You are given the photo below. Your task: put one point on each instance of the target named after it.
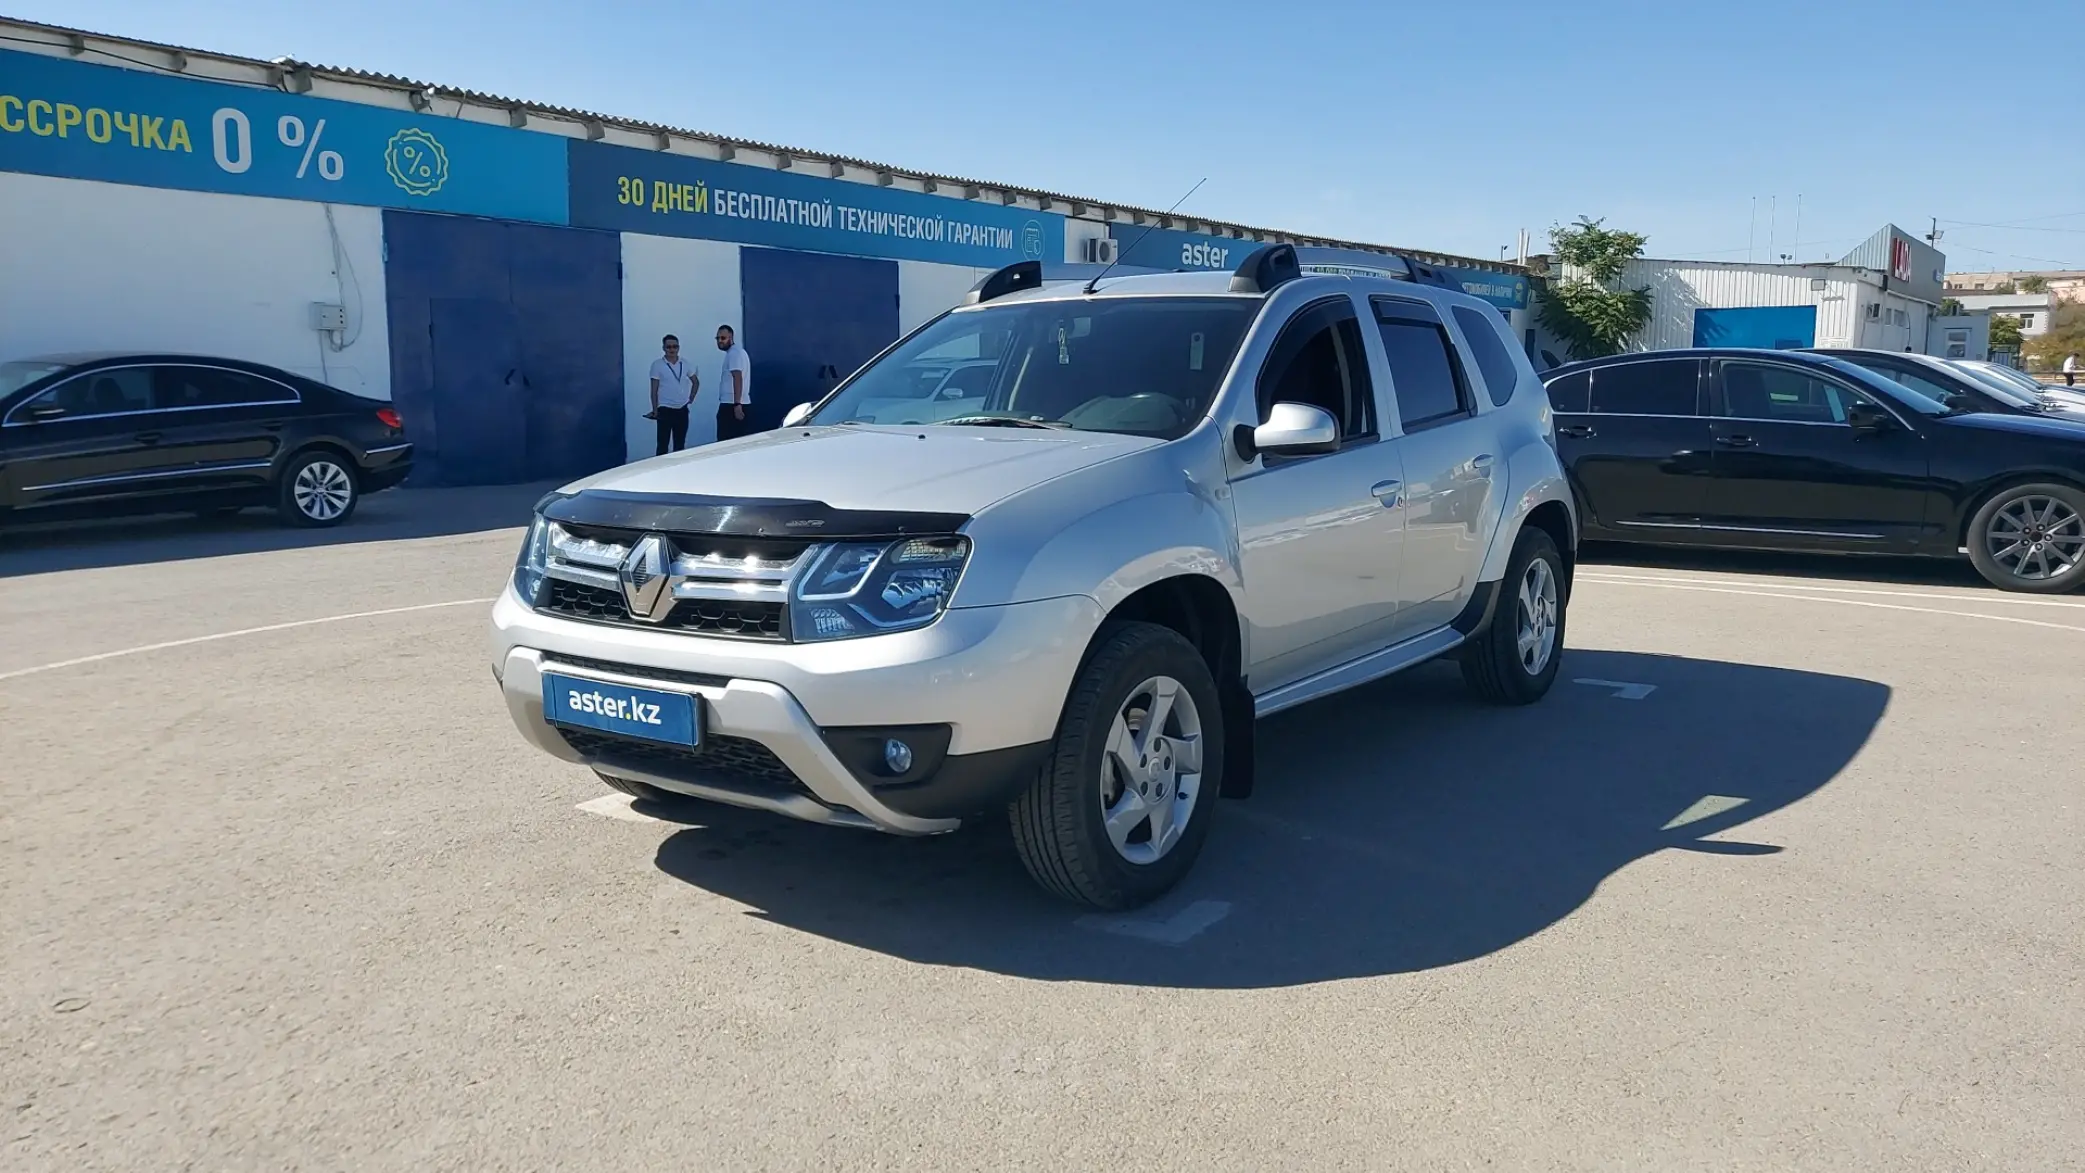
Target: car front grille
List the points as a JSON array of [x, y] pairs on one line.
[[592, 604], [723, 758]]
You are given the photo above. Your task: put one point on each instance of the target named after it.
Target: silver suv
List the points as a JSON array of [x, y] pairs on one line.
[[1179, 502]]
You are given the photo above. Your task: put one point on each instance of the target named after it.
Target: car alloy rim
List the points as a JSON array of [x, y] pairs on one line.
[[1151, 772], [1535, 617], [322, 490], [2036, 538]]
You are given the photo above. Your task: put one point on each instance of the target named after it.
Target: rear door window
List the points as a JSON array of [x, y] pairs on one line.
[[188, 387], [1424, 370], [1652, 387], [1482, 332]]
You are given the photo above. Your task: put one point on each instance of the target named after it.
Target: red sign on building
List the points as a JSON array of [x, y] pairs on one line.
[[1900, 258]]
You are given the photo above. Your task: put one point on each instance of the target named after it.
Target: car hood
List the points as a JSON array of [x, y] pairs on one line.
[[2056, 427], [891, 469]]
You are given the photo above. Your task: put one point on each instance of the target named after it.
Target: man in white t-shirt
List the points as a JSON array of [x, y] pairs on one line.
[[673, 388], [735, 391], [2070, 370]]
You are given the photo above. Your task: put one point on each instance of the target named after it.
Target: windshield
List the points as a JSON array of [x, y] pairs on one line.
[[1144, 366], [1920, 395], [16, 375], [1999, 374], [2004, 388]]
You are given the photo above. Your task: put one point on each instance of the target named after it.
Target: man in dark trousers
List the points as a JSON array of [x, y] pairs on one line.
[[673, 388], [735, 391]]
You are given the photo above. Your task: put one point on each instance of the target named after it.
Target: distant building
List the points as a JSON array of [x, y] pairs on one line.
[[2031, 308], [2065, 284], [1881, 295]]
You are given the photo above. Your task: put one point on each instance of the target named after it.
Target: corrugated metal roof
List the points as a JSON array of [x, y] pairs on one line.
[[367, 77]]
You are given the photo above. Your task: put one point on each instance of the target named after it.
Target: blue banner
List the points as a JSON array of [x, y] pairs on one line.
[[84, 121], [633, 190], [1167, 248]]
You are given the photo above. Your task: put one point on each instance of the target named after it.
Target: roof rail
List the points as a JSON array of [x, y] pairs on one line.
[[1265, 269], [1012, 279]]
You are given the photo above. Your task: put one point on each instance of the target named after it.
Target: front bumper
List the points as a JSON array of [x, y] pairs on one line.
[[995, 677]]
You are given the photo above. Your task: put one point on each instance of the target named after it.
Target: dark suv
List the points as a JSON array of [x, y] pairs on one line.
[[1786, 450], [96, 435]]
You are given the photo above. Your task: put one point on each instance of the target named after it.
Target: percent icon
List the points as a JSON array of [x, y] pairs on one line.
[[290, 130]]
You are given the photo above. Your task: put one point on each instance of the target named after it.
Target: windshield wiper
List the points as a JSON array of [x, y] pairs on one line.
[[1002, 421]]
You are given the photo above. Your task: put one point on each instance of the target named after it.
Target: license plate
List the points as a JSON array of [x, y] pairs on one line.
[[648, 713]]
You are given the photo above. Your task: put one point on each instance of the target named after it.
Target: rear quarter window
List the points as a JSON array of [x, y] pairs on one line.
[[1500, 375]]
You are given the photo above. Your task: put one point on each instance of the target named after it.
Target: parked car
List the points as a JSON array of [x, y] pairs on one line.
[[1937, 378], [1786, 450], [1182, 502], [2067, 398], [98, 435]]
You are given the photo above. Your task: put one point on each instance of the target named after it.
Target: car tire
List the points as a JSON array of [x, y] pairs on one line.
[[1062, 827], [1515, 657], [318, 489], [2050, 521]]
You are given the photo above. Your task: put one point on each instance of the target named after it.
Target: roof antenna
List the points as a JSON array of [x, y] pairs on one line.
[[1141, 235]]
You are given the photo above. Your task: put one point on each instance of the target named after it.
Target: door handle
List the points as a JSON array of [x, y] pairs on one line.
[[1737, 441], [1388, 492], [1577, 431], [148, 437]]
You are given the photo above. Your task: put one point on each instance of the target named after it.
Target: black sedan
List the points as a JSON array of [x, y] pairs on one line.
[[99, 435], [1785, 450], [1939, 379]]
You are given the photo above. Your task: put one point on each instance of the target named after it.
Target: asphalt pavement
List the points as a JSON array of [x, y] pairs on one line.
[[1784, 875]]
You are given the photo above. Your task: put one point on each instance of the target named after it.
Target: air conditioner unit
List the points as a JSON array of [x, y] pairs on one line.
[[1103, 250]]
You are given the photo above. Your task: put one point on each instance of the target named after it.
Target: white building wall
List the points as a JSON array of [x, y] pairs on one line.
[[101, 266], [1076, 233], [673, 285], [2032, 309], [925, 290]]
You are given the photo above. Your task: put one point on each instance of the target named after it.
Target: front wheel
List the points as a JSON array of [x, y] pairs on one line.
[[1514, 659], [318, 489], [1120, 811], [2031, 538]]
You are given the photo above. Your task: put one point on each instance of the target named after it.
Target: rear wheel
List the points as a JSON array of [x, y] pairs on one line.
[[318, 489], [2031, 538], [1121, 809], [1515, 658]]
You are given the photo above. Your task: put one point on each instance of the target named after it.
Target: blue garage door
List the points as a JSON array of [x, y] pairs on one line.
[[1773, 327], [811, 319], [506, 347]]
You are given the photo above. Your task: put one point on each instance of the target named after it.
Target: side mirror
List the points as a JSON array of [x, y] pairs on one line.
[[1866, 417], [1297, 429], [45, 412], [797, 415]]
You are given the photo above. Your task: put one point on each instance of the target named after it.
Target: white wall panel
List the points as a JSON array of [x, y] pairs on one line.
[[925, 290], [682, 287], [102, 266]]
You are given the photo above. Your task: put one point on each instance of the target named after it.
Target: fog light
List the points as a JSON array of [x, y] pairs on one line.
[[897, 756]]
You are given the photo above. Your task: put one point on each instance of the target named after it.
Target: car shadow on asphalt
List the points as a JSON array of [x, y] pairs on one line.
[[1903, 571], [1399, 827], [388, 516]]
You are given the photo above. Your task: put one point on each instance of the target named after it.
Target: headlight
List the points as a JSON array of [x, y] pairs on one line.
[[872, 588], [530, 567]]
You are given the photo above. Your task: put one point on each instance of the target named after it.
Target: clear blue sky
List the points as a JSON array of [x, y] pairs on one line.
[[1439, 125]]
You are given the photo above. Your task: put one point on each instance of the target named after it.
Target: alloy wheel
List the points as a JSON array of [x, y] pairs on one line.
[[322, 490], [1151, 771], [1535, 629], [2035, 538]]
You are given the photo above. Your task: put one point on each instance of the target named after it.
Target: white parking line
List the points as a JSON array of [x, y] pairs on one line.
[[2010, 600], [1800, 598], [203, 639], [1177, 929], [1623, 690], [615, 806]]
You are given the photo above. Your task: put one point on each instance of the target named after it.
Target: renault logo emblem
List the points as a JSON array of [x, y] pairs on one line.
[[644, 576]]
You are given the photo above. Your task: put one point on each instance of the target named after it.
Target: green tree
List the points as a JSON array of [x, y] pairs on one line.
[[1587, 310], [2034, 283], [2005, 332], [1950, 308], [2065, 336]]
